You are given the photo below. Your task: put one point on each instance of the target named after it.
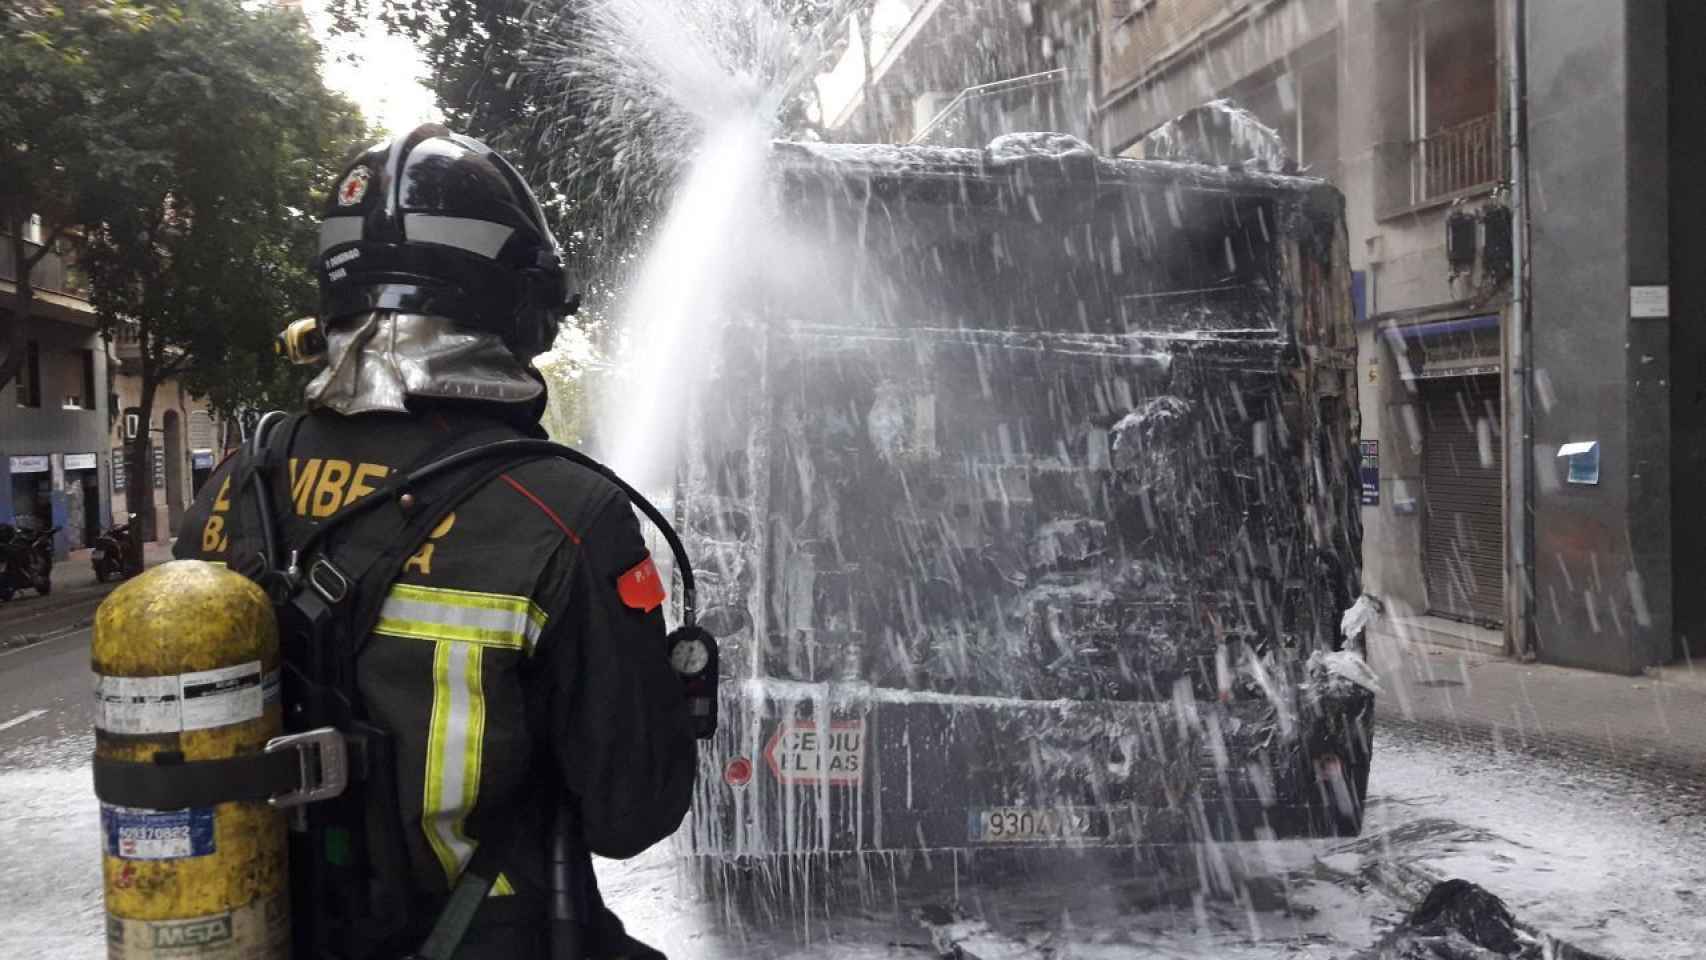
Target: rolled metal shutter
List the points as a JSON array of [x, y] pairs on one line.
[[1463, 482]]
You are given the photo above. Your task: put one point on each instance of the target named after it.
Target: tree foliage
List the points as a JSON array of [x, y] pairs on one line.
[[484, 60], [53, 137], [198, 213]]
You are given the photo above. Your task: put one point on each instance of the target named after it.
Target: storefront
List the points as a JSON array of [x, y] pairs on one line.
[[82, 499], [32, 490]]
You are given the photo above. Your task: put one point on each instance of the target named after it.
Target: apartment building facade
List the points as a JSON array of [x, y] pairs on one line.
[[55, 470], [186, 440]]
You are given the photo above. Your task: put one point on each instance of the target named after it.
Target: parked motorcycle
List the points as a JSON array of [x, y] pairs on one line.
[[26, 560], [115, 555]]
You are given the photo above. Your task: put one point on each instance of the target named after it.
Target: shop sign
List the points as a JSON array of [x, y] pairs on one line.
[[118, 470], [79, 461], [34, 463], [159, 468], [201, 459], [1370, 450]]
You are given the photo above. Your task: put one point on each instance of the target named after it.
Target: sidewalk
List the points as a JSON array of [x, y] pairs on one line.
[[29, 616], [1579, 798], [76, 571], [1653, 724]]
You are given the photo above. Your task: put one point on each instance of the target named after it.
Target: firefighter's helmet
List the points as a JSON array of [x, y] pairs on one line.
[[437, 223]]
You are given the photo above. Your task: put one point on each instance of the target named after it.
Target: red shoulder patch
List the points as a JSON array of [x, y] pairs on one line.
[[641, 587]]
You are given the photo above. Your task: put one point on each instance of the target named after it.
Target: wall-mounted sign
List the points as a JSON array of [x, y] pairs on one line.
[[1465, 370], [1649, 302], [79, 461], [159, 468], [201, 459], [118, 469], [34, 463], [1583, 458], [1370, 450]]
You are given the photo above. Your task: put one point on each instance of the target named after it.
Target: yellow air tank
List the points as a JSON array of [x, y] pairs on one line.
[[186, 665]]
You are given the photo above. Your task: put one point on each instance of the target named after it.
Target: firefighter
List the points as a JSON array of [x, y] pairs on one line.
[[518, 661]]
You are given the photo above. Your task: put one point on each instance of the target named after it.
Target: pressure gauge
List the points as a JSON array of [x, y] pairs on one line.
[[690, 654], [693, 655]]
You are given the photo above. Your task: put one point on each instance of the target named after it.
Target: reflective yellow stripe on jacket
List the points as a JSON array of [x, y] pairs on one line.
[[462, 624], [435, 613]]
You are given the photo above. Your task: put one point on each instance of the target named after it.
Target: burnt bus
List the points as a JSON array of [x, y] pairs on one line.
[[1026, 509]]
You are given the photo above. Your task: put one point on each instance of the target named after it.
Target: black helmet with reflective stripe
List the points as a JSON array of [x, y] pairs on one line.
[[435, 222]]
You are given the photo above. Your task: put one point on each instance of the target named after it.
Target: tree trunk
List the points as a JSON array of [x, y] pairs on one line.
[[139, 477]]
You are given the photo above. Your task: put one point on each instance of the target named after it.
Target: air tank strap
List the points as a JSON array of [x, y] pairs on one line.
[[290, 770]]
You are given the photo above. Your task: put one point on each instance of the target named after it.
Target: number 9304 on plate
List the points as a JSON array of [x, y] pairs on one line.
[[1032, 825]]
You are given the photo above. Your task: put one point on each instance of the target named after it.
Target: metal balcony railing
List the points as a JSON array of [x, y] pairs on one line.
[[1446, 164], [1039, 102]]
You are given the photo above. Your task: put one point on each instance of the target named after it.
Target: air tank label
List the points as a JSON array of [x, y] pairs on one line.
[[190, 701], [137, 704], [258, 931], [215, 698], [134, 834]]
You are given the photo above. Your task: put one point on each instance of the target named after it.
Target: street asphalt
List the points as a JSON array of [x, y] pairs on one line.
[[1586, 820]]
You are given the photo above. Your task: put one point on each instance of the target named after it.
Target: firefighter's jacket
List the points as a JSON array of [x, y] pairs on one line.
[[507, 663]]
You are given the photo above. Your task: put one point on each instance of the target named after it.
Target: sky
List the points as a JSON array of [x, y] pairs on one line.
[[841, 84], [383, 73], [380, 72]]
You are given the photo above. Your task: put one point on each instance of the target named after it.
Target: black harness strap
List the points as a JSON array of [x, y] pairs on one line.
[[471, 890], [174, 784]]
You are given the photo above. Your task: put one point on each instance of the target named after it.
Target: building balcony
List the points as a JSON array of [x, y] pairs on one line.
[[62, 292], [1457, 161], [55, 273]]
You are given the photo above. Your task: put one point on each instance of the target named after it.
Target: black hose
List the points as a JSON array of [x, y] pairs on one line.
[[263, 487], [569, 902]]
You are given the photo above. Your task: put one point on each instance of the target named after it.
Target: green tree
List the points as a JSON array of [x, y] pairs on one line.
[[565, 417], [484, 62], [52, 136], [198, 227]]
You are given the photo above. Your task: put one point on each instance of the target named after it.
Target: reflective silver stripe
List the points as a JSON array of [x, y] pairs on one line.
[[475, 236], [336, 230]]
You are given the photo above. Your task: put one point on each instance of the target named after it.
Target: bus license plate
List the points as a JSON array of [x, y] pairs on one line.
[[1030, 825]]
